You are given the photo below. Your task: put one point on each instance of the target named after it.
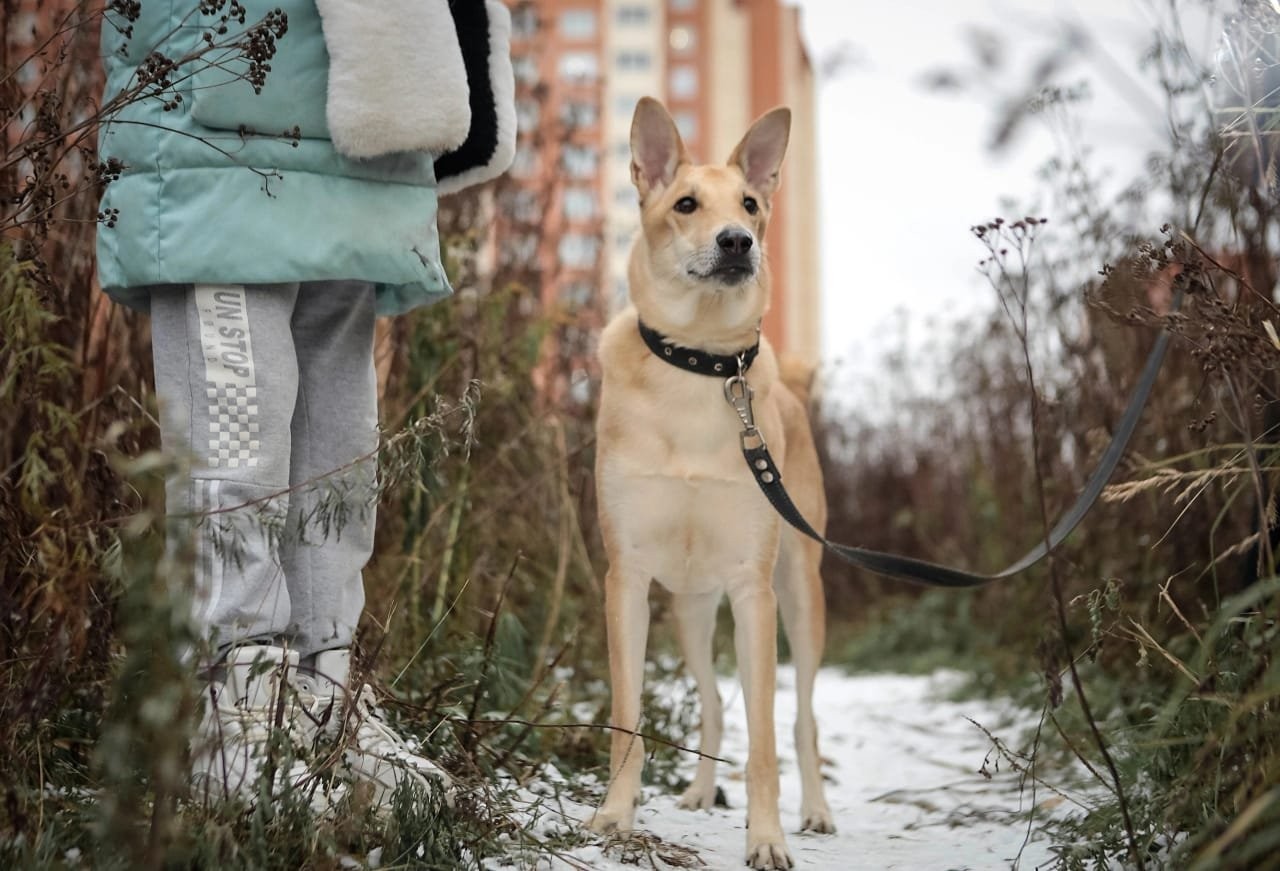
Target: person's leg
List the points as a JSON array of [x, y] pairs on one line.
[[329, 535], [226, 380]]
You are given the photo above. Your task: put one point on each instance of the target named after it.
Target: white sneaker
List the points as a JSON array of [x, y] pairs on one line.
[[232, 745], [373, 752]]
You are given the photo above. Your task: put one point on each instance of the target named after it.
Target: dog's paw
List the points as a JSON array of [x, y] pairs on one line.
[[608, 820], [772, 856], [698, 797], [818, 820]]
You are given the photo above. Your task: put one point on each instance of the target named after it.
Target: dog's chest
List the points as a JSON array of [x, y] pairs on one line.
[[682, 429], [679, 499]]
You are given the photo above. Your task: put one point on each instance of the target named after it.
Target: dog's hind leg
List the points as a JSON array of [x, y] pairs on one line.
[[803, 608], [627, 624], [696, 625]]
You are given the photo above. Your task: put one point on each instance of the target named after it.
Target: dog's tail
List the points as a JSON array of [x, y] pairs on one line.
[[800, 377]]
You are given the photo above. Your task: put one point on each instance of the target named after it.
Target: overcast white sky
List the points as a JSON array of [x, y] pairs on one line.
[[905, 170]]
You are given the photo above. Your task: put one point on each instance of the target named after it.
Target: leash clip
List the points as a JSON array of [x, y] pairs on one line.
[[738, 393]]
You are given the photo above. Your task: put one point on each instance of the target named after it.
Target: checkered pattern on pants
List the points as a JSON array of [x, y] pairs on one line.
[[233, 425]]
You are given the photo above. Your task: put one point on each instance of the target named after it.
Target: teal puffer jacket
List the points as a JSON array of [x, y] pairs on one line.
[[211, 192]]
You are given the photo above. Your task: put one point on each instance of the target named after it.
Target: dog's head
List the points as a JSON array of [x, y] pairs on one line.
[[703, 225]]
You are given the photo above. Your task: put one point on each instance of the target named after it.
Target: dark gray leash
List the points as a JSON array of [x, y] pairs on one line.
[[739, 395], [766, 473]]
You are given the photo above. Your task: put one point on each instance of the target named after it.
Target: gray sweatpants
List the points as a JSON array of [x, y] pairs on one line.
[[272, 390]]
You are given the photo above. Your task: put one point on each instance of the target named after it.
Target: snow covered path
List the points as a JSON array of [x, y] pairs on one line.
[[903, 785]]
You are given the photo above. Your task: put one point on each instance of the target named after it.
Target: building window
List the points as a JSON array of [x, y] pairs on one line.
[[578, 24], [683, 83], [577, 114], [622, 149], [682, 5], [634, 60], [578, 251], [575, 342], [522, 205], [577, 293], [625, 104], [524, 21], [525, 69], [633, 13], [579, 65], [520, 250], [683, 39], [579, 162], [579, 386], [625, 195], [528, 113], [687, 124], [579, 203], [525, 163]]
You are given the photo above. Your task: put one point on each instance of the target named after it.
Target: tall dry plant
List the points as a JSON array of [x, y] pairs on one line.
[[1159, 615], [482, 582], [70, 390]]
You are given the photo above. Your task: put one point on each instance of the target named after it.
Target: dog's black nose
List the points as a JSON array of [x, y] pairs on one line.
[[734, 241]]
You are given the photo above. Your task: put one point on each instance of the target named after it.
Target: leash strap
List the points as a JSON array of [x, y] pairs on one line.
[[930, 574]]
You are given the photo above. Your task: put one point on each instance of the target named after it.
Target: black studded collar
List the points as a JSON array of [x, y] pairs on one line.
[[695, 360]]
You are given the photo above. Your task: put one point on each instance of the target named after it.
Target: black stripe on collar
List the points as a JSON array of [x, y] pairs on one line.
[[695, 360], [471, 20]]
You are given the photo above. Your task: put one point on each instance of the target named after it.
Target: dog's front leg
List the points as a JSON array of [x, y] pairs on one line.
[[800, 601], [755, 626], [627, 616], [696, 621]]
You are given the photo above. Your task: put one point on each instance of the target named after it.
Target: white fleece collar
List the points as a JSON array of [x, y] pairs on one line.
[[396, 77]]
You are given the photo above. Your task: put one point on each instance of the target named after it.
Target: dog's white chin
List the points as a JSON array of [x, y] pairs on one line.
[[715, 283]]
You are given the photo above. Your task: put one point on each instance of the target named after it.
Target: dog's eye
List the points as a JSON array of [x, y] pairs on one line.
[[750, 204], [685, 205]]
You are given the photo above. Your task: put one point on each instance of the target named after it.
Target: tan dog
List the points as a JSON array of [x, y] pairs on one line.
[[677, 502]]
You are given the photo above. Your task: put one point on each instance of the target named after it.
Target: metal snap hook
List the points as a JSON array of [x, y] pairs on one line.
[[738, 393]]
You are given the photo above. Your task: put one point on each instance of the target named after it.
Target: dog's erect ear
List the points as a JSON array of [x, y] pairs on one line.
[[759, 154], [657, 150]]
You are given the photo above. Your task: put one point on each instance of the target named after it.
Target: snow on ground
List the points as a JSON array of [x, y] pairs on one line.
[[903, 784]]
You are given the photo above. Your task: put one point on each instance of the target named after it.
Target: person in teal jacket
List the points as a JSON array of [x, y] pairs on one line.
[[279, 166]]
